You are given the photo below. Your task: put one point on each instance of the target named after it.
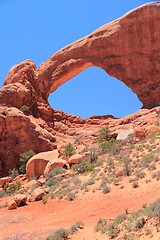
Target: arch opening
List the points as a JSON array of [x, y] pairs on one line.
[[93, 92]]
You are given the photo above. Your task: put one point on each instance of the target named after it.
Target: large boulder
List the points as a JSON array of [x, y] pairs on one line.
[[36, 165], [125, 135], [77, 158]]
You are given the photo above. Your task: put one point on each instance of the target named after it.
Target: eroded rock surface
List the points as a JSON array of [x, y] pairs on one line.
[[127, 48]]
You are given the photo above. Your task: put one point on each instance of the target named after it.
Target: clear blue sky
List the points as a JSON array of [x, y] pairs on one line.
[[35, 29]]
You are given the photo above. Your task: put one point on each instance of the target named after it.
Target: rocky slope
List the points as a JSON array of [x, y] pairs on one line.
[[127, 49]]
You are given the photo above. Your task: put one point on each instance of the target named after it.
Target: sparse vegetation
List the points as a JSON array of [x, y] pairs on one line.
[[63, 234], [24, 157], [24, 109], [68, 150]]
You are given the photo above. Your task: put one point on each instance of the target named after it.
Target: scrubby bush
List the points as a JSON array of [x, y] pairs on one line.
[[13, 188], [24, 109], [68, 150], [13, 173], [101, 224], [84, 166], [24, 157], [108, 145], [60, 234], [106, 189], [104, 134]]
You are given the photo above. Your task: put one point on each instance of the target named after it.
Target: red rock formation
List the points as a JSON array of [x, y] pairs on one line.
[[127, 49]]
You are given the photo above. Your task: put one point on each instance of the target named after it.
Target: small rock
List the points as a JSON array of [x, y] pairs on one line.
[[32, 183], [11, 204], [5, 180]]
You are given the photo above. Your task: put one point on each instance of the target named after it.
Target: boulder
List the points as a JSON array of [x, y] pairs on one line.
[[59, 162], [20, 199], [31, 184], [125, 135], [36, 195], [36, 165], [11, 204], [77, 158], [5, 180]]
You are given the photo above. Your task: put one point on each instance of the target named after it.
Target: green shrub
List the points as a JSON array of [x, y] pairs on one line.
[[24, 157], [13, 188], [69, 150], [24, 109], [84, 166], [108, 145], [104, 134]]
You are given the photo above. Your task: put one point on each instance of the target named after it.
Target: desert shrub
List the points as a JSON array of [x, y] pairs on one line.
[[106, 189], [13, 173], [56, 171], [154, 134], [12, 238], [84, 166], [135, 185], [101, 224], [68, 150], [2, 193], [104, 134], [45, 199], [60, 234], [70, 196], [91, 181], [120, 218], [78, 225], [140, 174], [108, 145], [137, 224], [13, 188], [51, 182], [24, 157], [93, 156], [113, 230], [24, 109], [156, 208]]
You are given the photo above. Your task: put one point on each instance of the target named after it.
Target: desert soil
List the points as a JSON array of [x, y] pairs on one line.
[[36, 221]]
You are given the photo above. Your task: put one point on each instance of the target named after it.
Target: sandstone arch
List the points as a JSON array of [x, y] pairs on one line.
[[127, 49]]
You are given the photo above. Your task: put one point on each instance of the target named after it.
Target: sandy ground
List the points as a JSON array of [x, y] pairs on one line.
[[36, 221]]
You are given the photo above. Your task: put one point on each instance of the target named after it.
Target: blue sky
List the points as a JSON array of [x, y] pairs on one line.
[[35, 29]]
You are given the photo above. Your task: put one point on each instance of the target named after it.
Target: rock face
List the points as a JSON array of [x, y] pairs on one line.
[[127, 48]]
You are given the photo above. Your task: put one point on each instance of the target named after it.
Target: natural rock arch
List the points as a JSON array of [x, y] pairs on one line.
[[127, 49]]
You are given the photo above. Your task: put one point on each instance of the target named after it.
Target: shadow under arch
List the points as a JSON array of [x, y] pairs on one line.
[[94, 92]]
